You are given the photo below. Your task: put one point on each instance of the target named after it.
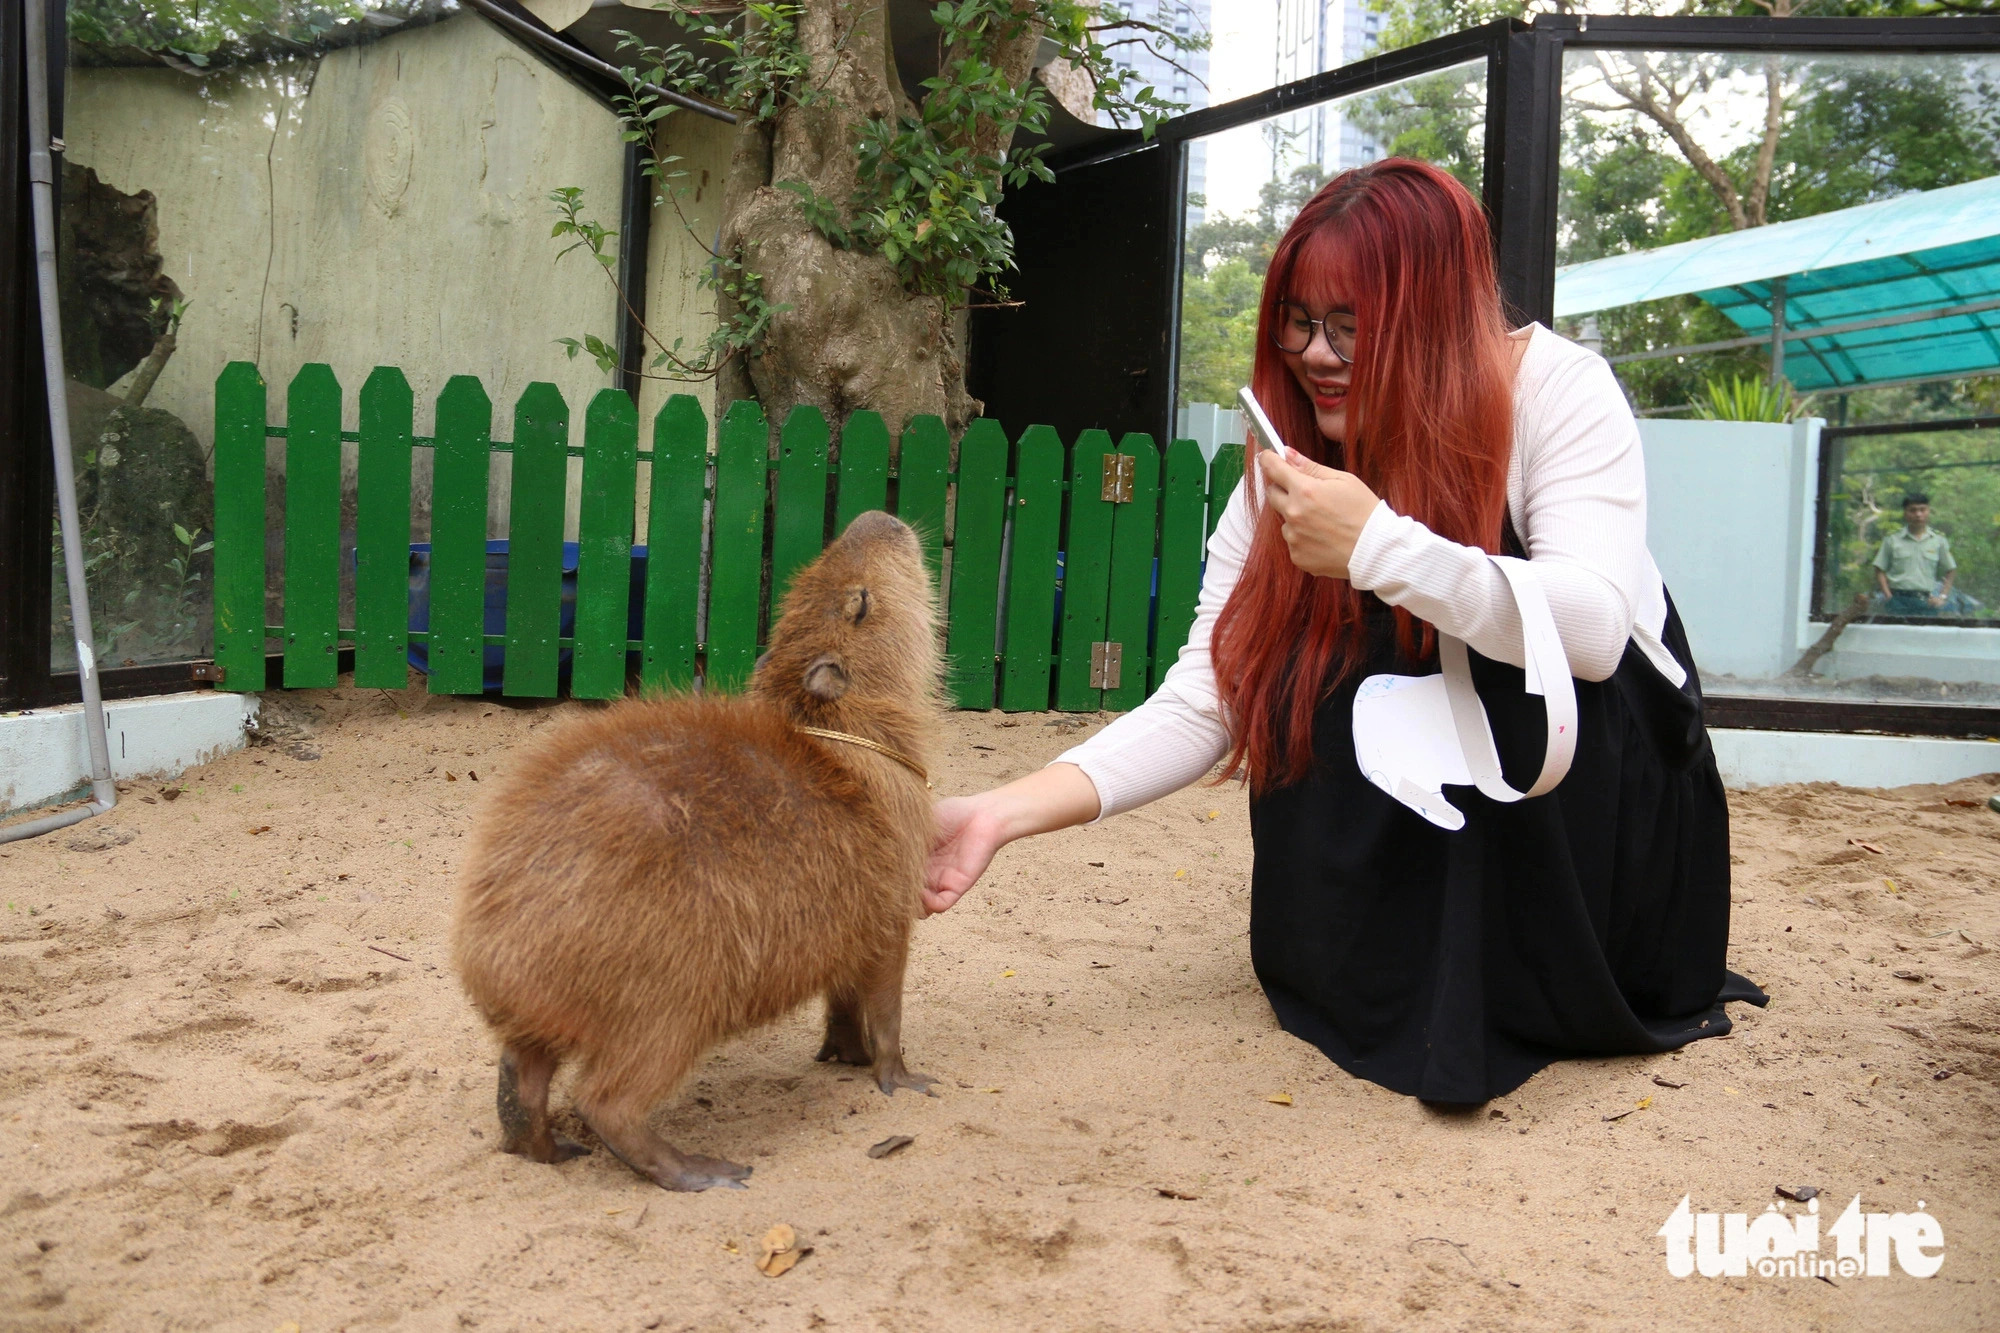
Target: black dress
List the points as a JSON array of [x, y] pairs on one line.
[[1451, 966]]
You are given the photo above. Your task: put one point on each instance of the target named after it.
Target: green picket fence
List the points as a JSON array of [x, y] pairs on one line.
[[1130, 527]]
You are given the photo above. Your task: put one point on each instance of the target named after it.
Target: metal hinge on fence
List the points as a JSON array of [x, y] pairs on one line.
[[1105, 659], [207, 671], [1118, 475]]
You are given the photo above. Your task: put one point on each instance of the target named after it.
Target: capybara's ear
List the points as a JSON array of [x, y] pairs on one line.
[[856, 607], [826, 679]]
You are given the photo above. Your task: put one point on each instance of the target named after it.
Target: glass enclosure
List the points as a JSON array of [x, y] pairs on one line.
[[355, 182], [1792, 262], [1871, 476], [1258, 176]]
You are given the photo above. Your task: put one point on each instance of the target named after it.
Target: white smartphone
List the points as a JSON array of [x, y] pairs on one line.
[[1261, 428]]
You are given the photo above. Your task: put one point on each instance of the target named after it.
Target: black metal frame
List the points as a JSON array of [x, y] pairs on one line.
[[27, 472], [1762, 712], [1522, 171], [1109, 235]]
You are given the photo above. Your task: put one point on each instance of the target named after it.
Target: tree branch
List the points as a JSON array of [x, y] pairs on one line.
[[1756, 206], [1011, 55], [1158, 55], [1667, 117]]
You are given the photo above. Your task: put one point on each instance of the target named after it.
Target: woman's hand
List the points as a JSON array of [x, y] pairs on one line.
[[1323, 510], [969, 833], [970, 829]]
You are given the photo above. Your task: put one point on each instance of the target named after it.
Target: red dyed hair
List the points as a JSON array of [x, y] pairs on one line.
[[1405, 247]]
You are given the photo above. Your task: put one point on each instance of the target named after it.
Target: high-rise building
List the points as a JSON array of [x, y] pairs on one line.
[[1312, 36], [1175, 76]]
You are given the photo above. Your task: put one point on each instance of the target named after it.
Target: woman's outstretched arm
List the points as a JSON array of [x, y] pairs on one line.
[[1161, 746], [972, 828]]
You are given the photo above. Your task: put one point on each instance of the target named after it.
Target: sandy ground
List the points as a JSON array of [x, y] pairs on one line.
[[239, 1088]]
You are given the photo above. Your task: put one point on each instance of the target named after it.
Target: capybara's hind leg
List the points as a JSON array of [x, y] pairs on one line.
[[523, 1101], [616, 1100], [846, 1039], [882, 1011]]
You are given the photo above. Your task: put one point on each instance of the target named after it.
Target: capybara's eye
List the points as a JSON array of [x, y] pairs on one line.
[[857, 604]]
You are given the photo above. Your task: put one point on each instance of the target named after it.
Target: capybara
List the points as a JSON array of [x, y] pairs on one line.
[[667, 872]]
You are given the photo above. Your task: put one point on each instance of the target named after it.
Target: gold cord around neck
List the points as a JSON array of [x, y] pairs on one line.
[[867, 744]]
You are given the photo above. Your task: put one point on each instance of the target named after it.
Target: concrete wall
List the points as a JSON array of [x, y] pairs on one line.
[[1730, 519], [1209, 425], [387, 205], [684, 228], [1725, 525], [1934, 652], [45, 756], [1771, 758]]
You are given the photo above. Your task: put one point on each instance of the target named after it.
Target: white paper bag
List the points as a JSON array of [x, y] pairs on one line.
[[1416, 735]]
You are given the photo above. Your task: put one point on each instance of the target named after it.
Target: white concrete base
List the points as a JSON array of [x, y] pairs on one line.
[[44, 757], [1766, 758]]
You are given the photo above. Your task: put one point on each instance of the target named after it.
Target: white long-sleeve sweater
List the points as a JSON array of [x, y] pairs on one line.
[[1576, 493]]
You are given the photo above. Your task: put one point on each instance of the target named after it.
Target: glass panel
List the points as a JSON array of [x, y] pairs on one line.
[[1258, 176], [1766, 246], [356, 182]]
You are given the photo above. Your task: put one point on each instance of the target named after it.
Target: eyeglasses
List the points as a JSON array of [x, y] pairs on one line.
[[1293, 331]]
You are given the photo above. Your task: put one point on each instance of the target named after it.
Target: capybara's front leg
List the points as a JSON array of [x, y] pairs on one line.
[[846, 1039], [882, 1008], [523, 1102], [615, 1100]]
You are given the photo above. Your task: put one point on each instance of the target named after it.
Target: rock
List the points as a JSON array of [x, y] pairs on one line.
[[114, 288], [101, 838], [288, 722], [139, 470]]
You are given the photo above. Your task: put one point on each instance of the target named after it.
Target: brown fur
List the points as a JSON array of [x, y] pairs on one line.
[[658, 876]]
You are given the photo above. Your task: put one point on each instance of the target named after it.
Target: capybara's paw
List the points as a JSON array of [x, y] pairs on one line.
[[702, 1173], [847, 1052], [893, 1076], [557, 1149], [845, 1040]]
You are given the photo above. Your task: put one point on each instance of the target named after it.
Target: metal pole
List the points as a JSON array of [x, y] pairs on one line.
[[41, 186], [1319, 112], [1777, 331], [1811, 331]]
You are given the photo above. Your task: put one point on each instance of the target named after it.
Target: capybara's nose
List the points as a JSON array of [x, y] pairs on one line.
[[878, 526]]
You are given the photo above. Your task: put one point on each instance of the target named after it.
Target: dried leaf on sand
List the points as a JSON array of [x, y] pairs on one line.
[[781, 1250]]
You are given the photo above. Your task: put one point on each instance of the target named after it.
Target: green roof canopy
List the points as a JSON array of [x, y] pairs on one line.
[[1922, 270]]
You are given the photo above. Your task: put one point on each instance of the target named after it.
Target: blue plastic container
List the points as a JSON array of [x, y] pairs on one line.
[[495, 658]]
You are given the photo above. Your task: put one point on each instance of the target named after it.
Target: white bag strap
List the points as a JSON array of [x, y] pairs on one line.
[[1547, 669]]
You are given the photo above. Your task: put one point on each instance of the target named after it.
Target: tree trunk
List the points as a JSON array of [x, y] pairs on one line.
[[1810, 658], [851, 336]]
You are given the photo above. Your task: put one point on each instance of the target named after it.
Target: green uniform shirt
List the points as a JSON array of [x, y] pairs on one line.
[[1914, 564]]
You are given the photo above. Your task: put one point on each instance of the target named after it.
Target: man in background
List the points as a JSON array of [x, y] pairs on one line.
[[1909, 562]]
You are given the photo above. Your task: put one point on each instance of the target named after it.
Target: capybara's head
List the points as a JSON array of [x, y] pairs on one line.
[[858, 626]]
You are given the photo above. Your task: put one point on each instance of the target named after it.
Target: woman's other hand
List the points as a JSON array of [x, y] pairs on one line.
[[970, 829], [1323, 510]]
